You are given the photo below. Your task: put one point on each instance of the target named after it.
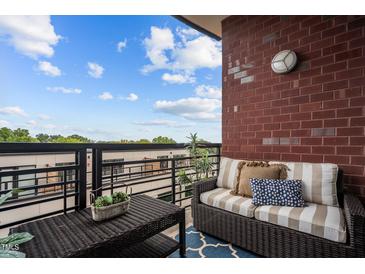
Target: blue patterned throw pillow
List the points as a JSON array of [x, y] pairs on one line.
[[277, 192]]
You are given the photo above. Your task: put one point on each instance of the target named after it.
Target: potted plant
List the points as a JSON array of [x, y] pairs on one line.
[[110, 206], [9, 245]]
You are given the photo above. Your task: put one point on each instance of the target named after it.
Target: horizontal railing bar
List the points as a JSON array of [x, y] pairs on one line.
[[141, 182], [166, 195], [56, 147], [36, 217], [38, 201], [191, 166], [29, 179], [183, 191], [135, 173], [183, 199], [150, 190], [116, 178], [33, 196], [154, 160], [37, 170], [34, 187]]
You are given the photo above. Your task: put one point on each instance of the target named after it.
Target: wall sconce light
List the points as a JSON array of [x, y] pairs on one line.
[[284, 61]]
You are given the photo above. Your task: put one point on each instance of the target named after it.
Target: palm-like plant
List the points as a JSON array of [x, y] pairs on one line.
[[10, 244], [199, 157], [205, 165]]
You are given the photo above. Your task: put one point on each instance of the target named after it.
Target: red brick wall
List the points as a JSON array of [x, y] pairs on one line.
[[316, 113]]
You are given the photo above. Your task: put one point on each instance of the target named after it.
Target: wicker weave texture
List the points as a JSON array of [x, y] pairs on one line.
[[76, 234], [271, 240]]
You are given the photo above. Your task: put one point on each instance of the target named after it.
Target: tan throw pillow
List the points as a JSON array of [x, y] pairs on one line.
[[260, 170]]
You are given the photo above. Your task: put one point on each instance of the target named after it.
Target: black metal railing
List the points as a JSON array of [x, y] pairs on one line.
[[70, 184]]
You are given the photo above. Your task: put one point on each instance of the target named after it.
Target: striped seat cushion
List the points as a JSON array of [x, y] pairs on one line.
[[319, 181], [221, 198], [319, 220], [228, 172]]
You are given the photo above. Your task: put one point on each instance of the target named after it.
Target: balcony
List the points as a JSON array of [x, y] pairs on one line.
[[307, 115], [59, 178]]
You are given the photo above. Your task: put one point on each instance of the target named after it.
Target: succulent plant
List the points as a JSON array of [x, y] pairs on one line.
[[119, 197], [116, 197]]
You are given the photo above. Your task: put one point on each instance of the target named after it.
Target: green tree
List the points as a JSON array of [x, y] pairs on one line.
[[143, 141], [163, 140], [43, 138], [70, 139], [81, 139], [5, 134], [17, 135]]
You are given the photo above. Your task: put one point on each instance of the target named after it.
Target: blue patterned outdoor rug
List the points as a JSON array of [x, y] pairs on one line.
[[199, 245]]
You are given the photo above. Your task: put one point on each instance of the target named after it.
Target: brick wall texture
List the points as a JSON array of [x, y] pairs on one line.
[[316, 113]]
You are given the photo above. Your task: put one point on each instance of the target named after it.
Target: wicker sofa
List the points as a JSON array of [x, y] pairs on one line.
[[272, 240]]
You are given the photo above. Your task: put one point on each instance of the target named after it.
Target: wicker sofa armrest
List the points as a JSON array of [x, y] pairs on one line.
[[355, 219], [203, 186], [199, 188]]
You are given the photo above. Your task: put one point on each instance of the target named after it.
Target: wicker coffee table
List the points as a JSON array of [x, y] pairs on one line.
[[137, 234]]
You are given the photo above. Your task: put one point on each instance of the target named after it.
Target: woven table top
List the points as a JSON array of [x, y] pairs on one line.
[[75, 234]]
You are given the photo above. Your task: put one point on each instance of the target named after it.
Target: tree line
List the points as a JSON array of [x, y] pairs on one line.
[[23, 136]]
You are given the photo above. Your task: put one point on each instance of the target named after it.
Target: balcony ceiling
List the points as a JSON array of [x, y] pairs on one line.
[[208, 24]]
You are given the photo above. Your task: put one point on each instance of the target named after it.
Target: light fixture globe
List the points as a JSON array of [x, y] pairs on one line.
[[284, 61]]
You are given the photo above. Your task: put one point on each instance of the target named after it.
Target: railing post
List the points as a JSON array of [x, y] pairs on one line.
[[219, 159], [82, 178], [97, 172], [173, 181], [64, 191], [112, 179]]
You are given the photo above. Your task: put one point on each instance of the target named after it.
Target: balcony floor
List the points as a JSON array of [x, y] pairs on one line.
[[173, 231]]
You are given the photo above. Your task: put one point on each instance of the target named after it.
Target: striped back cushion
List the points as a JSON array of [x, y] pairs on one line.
[[228, 172], [319, 181]]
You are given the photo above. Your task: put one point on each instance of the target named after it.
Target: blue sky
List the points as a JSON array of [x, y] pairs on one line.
[[109, 77]]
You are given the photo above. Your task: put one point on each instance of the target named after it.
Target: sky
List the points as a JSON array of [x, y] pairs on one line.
[[109, 77]]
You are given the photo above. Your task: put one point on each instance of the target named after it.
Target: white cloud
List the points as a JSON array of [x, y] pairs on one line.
[[156, 123], [33, 36], [44, 117], [191, 52], [186, 33], [208, 91], [193, 108], [121, 45], [4, 123], [64, 90], [167, 123], [161, 39], [201, 52], [13, 110], [178, 78], [106, 96], [49, 126], [95, 70], [48, 69], [32, 123], [132, 97]]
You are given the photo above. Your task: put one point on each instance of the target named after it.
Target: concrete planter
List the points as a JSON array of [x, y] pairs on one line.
[[109, 212]]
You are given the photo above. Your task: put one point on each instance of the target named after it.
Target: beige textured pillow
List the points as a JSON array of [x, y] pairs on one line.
[[260, 170]]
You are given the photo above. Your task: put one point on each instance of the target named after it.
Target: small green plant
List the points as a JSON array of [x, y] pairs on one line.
[[200, 160], [10, 244], [119, 197], [183, 178], [205, 165], [115, 198]]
